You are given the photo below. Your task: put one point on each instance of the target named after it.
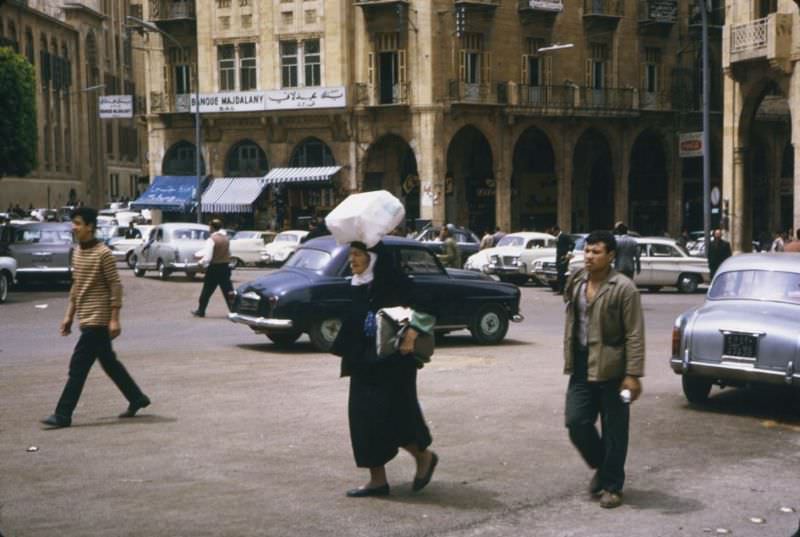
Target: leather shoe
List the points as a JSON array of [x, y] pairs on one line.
[[364, 492], [422, 482], [197, 313], [595, 488], [55, 421], [610, 499], [133, 408]]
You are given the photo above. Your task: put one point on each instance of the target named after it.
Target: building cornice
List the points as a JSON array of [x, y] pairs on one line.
[[80, 8]]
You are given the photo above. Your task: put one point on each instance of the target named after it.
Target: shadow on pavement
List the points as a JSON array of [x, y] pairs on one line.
[[143, 419], [766, 403], [448, 494], [664, 503]]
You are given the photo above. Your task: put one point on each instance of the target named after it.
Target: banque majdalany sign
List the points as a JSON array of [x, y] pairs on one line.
[[259, 101]]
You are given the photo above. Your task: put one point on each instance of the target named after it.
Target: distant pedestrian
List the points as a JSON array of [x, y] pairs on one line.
[[718, 251], [450, 256], [603, 369], [628, 256], [96, 297], [683, 239], [318, 229], [777, 243], [131, 232], [498, 235], [216, 257], [793, 246], [487, 241], [564, 247]]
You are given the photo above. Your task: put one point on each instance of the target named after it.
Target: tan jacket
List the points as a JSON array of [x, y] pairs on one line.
[[615, 328]]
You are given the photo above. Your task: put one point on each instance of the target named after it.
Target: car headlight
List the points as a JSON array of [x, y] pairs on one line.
[[251, 295], [515, 260], [537, 265], [494, 259]]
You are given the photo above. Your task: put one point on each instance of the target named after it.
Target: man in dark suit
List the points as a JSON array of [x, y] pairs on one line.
[[564, 247], [718, 251]]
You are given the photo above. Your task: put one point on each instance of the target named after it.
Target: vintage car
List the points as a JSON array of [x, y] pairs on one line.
[[284, 245], [311, 293], [664, 264], [171, 248], [8, 275], [123, 248], [43, 250], [468, 243], [247, 246], [545, 271], [747, 330], [512, 260]]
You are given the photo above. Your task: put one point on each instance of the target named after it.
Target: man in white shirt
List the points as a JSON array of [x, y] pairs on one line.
[[216, 257]]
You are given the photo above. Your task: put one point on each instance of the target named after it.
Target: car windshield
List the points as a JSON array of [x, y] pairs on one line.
[[190, 234], [757, 285], [245, 235], [286, 237], [308, 259], [48, 236], [508, 240]]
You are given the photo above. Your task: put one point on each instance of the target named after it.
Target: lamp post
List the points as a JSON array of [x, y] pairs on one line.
[[149, 26], [705, 7]]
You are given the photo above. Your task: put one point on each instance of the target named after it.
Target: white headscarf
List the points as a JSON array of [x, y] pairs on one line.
[[368, 275]]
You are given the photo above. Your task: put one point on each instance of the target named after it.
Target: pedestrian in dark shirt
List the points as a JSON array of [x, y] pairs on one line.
[[718, 251], [627, 259], [564, 247]]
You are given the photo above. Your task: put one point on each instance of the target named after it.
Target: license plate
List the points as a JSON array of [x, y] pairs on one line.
[[740, 346]]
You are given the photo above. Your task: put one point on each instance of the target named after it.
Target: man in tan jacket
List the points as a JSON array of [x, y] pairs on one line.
[[604, 356]]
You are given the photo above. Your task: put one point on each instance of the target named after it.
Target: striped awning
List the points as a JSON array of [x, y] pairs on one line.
[[232, 194], [282, 176]]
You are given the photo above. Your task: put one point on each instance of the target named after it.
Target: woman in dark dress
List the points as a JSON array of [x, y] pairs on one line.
[[383, 409]]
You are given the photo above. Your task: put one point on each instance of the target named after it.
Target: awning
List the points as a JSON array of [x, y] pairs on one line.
[[232, 194], [175, 193], [299, 176]]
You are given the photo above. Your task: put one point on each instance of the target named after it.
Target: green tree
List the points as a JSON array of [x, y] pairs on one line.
[[18, 134]]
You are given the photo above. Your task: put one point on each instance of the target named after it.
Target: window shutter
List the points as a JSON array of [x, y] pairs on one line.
[[643, 76], [486, 67], [462, 65], [606, 74], [548, 71], [401, 67], [371, 69], [588, 81], [525, 61], [659, 77]]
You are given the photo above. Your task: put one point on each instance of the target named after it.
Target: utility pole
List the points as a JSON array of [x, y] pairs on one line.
[[705, 6]]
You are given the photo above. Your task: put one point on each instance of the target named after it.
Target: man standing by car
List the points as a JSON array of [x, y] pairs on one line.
[[96, 296], [216, 256], [604, 356], [451, 256], [718, 251], [627, 260], [564, 247]]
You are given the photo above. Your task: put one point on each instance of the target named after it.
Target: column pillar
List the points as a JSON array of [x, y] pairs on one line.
[[622, 171], [504, 169], [739, 228], [427, 127], [564, 171], [674, 189]]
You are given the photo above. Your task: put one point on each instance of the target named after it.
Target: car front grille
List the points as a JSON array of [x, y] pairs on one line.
[[507, 261], [249, 306], [548, 266]]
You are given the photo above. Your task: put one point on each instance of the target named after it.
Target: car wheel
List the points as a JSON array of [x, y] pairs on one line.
[[688, 283], [236, 263], [138, 271], [283, 339], [130, 260], [323, 333], [4, 284], [163, 271], [490, 325], [696, 389], [191, 275]]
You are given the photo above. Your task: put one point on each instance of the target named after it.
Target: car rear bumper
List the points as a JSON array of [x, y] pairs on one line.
[[119, 255], [736, 372], [43, 271], [261, 323], [186, 267]]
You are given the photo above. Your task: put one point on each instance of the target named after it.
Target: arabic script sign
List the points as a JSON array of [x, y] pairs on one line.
[[259, 101], [116, 106]]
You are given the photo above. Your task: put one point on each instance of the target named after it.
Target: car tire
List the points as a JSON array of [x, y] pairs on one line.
[[235, 263], [5, 283], [283, 339], [130, 260], [191, 276], [696, 389], [323, 333], [688, 283], [137, 271], [490, 325], [163, 271]]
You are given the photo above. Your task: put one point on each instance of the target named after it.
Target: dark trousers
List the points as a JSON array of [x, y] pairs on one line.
[[561, 268], [94, 343], [218, 274], [585, 400]]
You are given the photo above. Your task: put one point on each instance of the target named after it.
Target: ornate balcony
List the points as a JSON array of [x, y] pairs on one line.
[[768, 39], [368, 4], [541, 6], [172, 14], [366, 95], [603, 14], [465, 92], [541, 100], [657, 16], [480, 4], [571, 100]]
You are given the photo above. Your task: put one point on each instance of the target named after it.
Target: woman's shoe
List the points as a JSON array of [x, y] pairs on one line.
[[364, 492], [422, 482]]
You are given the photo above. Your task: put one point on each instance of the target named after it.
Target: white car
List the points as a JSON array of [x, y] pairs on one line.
[[284, 245], [247, 247], [513, 258], [123, 248], [171, 248], [8, 276]]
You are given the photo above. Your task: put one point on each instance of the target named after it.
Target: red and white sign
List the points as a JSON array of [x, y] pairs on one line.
[[690, 144]]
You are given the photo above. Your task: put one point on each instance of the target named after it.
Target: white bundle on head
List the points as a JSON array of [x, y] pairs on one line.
[[365, 217]]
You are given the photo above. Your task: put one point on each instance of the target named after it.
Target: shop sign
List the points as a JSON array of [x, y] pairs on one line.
[[230, 101], [306, 98], [690, 144], [116, 106]]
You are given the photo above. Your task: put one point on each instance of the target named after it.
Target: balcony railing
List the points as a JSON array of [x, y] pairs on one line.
[[658, 11], [749, 36], [608, 98], [550, 97], [465, 92], [549, 6], [603, 8], [165, 10], [169, 103], [477, 3], [655, 101], [367, 95], [768, 39]]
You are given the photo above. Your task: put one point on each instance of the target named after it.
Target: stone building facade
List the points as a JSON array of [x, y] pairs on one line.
[[760, 158], [462, 108], [80, 50]]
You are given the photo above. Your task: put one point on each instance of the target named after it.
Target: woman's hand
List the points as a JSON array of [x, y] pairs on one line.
[[407, 345]]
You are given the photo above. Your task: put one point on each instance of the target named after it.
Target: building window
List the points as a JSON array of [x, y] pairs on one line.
[[287, 18], [536, 68], [301, 63], [181, 69], [289, 61], [29, 54], [311, 16], [247, 67], [474, 63], [312, 62], [226, 58], [312, 153], [179, 160], [597, 68], [387, 68], [652, 66], [246, 159]]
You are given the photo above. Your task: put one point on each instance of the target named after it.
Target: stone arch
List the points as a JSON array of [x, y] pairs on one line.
[[469, 181], [648, 184], [245, 158], [180, 160], [592, 182], [534, 188], [311, 152], [390, 164]]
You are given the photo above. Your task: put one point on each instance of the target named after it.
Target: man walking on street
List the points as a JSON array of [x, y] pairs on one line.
[[450, 257], [627, 260], [96, 296], [216, 256], [718, 251], [564, 247], [604, 356]]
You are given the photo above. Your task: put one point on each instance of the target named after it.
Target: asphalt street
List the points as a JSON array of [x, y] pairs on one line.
[[244, 439]]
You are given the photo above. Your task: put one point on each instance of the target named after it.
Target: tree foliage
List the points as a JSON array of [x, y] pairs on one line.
[[18, 133]]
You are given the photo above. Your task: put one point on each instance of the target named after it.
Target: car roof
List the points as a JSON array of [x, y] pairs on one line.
[[43, 225], [656, 240], [777, 261], [329, 243], [531, 235], [295, 231], [183, 225]]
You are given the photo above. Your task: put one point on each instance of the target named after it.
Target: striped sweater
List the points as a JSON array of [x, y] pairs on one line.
[[96, 287]]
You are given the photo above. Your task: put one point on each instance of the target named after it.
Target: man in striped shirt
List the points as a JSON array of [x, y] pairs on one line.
[[96, 296]]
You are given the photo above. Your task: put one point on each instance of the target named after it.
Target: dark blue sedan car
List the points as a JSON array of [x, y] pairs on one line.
[[311, 294]]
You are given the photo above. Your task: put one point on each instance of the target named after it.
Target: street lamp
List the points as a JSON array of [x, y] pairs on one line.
[[705, 7], [555, 46], [149, 26]]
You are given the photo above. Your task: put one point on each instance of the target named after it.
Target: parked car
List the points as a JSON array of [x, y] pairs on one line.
[[746, 331], [698, 247], [664, 264], [247, 246], [43, 250], [282, 247], [124, 249], [311, 293], [468, 243], [512, 260], [171, 248], [545, 271], [8, 276]]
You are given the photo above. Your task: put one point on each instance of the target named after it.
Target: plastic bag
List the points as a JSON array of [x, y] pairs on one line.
[[365, 217]]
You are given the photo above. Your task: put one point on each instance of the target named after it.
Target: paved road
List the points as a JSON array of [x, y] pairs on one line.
[[244, 439]]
